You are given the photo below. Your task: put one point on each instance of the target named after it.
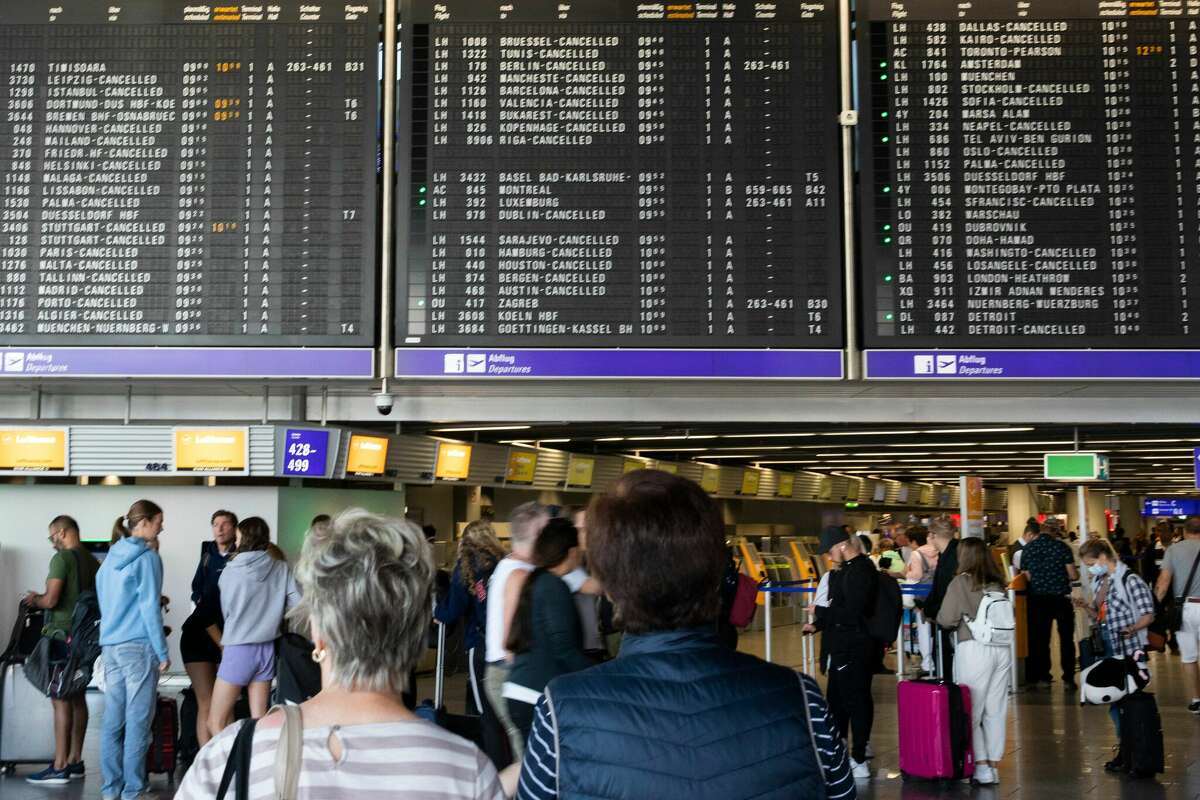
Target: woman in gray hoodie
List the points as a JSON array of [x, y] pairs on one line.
[[256, 591]]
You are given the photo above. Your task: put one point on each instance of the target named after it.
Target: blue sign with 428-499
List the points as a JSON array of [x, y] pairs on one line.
[[305, 453]]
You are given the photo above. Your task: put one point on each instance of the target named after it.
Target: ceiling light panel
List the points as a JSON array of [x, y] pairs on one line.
[[483, 428]]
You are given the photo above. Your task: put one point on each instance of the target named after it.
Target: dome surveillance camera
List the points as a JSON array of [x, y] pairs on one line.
[[384, 403]]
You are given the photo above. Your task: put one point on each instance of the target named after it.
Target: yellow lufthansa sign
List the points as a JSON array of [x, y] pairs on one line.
[[710, 480], [522, 466], [750, 478], [33, 450], [210, 449], [367, 456], [787, 484], [581, 472], [453, 461]]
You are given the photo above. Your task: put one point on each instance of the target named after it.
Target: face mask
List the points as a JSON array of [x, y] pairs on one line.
[[1098, 570]]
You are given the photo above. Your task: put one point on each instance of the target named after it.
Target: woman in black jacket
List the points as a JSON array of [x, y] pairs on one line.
[[198, 644], [545, 636]]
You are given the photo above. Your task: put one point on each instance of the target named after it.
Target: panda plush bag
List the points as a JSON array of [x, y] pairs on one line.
[[1111, 680]]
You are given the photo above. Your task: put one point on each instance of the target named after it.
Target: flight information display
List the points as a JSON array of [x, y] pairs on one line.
[[1030, 172], [601, 173], [175, 171]]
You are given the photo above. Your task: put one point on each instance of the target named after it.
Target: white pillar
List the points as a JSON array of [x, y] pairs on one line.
[[1086, 513], [1081, 515]]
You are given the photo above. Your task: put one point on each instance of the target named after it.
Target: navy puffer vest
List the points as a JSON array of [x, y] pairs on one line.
[[678, 716]]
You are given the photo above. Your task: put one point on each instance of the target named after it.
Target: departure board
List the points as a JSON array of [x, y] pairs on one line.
[[606, 173], [1030, 173], [175, 171]]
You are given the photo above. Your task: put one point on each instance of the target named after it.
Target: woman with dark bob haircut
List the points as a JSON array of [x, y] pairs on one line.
[[675, 714]]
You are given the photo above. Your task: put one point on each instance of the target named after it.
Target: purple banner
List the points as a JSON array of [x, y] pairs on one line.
[[1033, 364], [186, 362], [443, 362]]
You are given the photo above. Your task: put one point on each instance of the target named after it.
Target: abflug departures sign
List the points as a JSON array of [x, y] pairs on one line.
[[601, 173], [177, 172], [1030, 173]]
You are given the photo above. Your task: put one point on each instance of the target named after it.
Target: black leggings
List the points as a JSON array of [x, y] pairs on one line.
[[493, 739]]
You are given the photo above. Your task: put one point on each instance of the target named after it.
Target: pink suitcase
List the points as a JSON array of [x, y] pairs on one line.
[[935, 731]]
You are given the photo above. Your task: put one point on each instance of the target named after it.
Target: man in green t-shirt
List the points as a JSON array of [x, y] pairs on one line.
[[72, 570]]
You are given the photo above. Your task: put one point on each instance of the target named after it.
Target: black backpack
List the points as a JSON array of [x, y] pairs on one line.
[[884, 623], [83, 648]]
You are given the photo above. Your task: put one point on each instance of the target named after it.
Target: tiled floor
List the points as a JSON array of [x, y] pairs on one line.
[[1056, 749]]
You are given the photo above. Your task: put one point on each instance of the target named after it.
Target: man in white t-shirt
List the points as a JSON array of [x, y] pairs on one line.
[[1177, 566], [526, 523]]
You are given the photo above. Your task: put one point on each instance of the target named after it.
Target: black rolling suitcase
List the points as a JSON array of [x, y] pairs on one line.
[[1141, 735], [27, 630], [467, 726]]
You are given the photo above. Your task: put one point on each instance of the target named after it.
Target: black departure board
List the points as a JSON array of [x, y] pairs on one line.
[[1030, 172], [600, 173], [180, 172]]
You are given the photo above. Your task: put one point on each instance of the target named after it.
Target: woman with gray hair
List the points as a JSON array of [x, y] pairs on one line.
[[366, 585]]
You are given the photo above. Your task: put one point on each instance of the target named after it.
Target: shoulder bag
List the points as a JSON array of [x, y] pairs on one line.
[[1173, 606], [288, 758]]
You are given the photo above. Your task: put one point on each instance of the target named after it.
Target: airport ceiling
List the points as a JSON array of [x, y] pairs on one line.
[[1143, 458]]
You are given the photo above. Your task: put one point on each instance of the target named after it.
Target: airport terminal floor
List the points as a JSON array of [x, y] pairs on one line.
[[1056, 748]]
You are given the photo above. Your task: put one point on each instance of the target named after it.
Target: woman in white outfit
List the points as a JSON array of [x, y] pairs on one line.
[[982, 668]]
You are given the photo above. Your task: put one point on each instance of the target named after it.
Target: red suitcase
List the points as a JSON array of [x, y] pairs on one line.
[[935, 730], [164, 738]]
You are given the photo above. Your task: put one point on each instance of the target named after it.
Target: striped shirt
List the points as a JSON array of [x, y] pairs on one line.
[[539, 771], [415, 760], [1127, 599]]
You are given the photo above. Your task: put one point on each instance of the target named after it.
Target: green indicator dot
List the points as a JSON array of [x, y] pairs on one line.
[[887, 227], [885, 139], [421, 190], [883, 77], [887, 278], [889, 317], [421, 202], [883, 65], [887, 189], [883, 114], [887, 240]]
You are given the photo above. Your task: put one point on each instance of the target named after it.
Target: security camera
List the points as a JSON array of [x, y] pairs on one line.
[[384, 403]]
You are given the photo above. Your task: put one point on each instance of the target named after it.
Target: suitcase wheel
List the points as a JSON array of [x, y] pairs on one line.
[[7, 769]]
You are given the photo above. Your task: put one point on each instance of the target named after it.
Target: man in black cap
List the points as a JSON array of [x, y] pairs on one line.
[[852, 656]]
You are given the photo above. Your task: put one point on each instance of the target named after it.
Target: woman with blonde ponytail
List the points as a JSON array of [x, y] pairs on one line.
[[129, 585]]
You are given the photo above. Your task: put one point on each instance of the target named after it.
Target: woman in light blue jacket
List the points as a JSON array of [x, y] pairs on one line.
[[257, 589], [129, 586]]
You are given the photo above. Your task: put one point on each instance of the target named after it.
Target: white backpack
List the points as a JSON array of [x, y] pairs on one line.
[[994, 622]]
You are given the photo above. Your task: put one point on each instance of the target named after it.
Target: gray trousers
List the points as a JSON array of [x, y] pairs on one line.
[[493, 684]]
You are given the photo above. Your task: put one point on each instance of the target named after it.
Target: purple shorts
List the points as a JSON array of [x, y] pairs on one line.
[[244, 664]]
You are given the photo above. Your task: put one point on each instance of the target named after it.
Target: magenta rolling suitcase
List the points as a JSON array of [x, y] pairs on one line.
[[935, 731]]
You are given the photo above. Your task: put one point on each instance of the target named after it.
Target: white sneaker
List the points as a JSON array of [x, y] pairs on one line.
[[860, 771], [985, 775]]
